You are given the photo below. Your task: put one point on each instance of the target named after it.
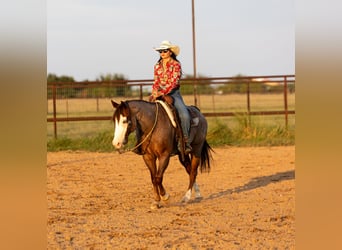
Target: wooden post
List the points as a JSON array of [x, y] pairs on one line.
[[194, 50], [248, 103], [54, 110], [141, 91], [285, 102]]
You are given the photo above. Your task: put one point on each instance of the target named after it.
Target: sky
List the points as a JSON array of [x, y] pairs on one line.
[[89, 38]]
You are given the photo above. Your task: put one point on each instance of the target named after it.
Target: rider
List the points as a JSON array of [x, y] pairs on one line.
[[167, 73]]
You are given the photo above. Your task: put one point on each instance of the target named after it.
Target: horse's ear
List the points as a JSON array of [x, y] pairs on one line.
[[115, 105]]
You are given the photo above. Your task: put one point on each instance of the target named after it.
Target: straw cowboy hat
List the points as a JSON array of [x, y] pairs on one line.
[[168, 45]]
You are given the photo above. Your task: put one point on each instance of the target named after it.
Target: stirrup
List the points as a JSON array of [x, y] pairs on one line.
[[187, 149]]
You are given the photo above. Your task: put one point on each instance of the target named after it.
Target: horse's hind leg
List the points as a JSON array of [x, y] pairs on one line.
[[197, 191], [186, 163], [192, 179]]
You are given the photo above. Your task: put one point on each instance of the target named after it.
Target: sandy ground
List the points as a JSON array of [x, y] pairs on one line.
[[102, 201]]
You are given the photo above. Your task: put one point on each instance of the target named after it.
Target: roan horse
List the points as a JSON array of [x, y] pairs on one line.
[[156, 140]]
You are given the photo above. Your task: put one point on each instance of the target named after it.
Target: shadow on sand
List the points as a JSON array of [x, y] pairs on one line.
[[256, 182]]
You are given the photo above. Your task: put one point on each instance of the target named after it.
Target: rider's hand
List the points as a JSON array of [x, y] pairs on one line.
[[151, 98], [168, 99]]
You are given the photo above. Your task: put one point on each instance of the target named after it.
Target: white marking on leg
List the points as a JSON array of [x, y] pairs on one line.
[[165, 197], [197, 191], [187, 196], [155, 205]]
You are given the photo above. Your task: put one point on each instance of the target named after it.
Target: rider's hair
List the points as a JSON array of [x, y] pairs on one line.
[[174, 57]]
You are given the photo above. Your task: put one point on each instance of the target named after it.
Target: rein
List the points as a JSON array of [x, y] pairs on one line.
[[147, 136]]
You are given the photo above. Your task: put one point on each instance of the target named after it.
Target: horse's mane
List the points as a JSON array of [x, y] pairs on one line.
[[121, 109]]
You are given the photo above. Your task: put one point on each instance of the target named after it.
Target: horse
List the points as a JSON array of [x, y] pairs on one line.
[[156, 141]]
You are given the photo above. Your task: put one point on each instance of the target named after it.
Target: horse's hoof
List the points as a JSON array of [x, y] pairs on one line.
[[155, 205], [185, 200], [198, 196], [198, 199], [186, 197], [165, 197]]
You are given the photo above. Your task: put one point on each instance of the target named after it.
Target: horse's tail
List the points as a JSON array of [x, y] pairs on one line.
[[206, 157]]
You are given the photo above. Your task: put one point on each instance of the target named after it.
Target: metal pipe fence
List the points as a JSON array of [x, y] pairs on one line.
[[90, 101]]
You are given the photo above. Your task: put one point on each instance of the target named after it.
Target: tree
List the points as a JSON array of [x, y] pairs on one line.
[[237, 85], [54, 78], [116, 88], [63, 92], [203, 86]]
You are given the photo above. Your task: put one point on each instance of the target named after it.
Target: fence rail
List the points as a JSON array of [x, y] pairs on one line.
[[137, 89]]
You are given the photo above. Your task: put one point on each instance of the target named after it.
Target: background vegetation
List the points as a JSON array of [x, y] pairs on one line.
[[244, 132], [120, 87]]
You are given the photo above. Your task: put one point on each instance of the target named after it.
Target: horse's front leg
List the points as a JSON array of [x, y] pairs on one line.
[[150, 162], [163, 163]]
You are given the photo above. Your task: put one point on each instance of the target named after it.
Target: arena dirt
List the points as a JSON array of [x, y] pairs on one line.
[[102, 201]]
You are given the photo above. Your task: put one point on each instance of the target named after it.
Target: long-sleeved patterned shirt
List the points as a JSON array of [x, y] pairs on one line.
[[166, 81]]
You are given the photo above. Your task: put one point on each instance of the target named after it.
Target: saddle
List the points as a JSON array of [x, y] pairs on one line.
[[194, 117], [173, 113], [167, 104]]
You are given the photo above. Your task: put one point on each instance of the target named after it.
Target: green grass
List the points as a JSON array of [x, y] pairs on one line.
[[250, 132], [240, 131], [101, 142]]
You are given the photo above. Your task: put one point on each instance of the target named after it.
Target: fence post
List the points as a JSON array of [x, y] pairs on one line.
[[141, 91], [285, 102], [54, 109], [248, 103], [67, 106], [97, 103], [195, 92]]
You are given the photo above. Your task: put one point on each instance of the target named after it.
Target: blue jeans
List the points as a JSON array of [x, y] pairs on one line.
[[182, 111]]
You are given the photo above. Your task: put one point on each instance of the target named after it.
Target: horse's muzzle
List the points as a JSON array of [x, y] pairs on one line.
[[119, 145]]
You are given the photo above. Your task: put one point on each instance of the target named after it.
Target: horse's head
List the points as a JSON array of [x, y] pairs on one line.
[[123, 124]]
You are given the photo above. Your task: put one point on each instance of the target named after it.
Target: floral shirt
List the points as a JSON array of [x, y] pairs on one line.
[[166, 80]]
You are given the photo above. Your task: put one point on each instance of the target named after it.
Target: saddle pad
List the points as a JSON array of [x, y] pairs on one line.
[[169, 112]]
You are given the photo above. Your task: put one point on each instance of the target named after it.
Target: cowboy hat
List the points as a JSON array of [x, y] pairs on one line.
[[168, 45]]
